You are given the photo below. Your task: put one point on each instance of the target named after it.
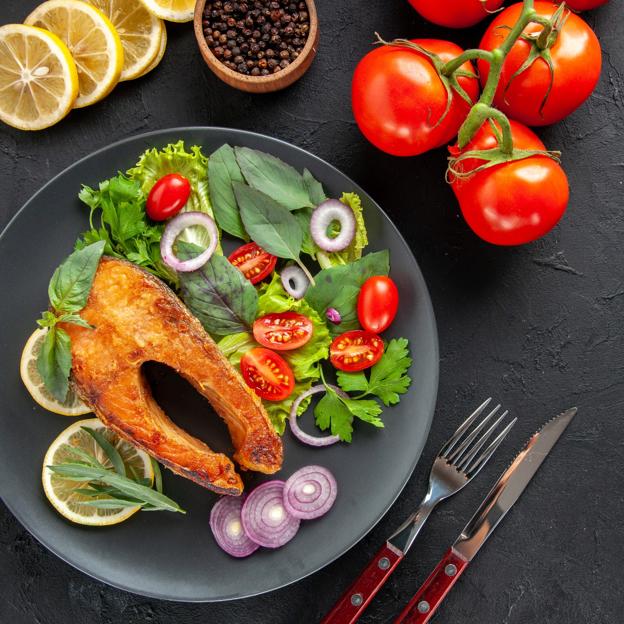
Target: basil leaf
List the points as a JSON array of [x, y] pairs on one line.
[[74, 319], [314, 188], [273, 177], [222, 171], [303, 216], [54, 362], [218, 294], [339, 286], [269, 224], [71, 283]]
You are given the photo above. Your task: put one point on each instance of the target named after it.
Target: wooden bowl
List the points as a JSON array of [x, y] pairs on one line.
[[260, 84]]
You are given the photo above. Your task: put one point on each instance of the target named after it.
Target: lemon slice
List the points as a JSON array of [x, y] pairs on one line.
[[61, 492], [139, 30], [171, 10], [38, 78], [161, 52], [92, 41]]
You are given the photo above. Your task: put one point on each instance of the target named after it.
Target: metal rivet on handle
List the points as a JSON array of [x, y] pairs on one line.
[[423, 606], [357, 600], [384, 563], [450, 570]]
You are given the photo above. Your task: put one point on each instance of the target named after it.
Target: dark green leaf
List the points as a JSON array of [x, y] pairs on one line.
[[273, 177], [74, 319], [109, 450], [86, 458], [70, 285], [352, 382], [157, 475], [331, 412], [303, 216], [222, 171], [54, 362], [314, 188], [268, 223], [110, 503]]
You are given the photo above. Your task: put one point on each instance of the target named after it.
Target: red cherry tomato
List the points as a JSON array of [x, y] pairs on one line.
[[576, 60], [283, 331], [378, 302], [167, 197], [585, 5], [515, 202], [253, 262], [398, 98], [356, 350], [267, 374], [455, 13]]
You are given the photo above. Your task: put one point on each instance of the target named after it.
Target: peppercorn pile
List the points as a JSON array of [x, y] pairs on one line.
[[258, 37]]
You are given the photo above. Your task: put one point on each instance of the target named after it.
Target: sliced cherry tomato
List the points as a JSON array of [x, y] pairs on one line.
[[167, 197], [399, 101], [378, 302], [456, 13], [267, 374], [356, 350], [253, 262], [283, 331]]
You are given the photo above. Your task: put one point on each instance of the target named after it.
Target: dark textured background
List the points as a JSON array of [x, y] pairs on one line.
[[539, 327]]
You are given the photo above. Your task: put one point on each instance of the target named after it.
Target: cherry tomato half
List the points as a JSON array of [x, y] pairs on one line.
[[267, 374], [253, 262], [283, 331], [167, 197], [378, 302], [356, 350]]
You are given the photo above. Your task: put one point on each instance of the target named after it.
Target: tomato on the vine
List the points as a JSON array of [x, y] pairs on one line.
[[576, 61], [167, 197], [283, 331], [356, 350], [399, 99], [513, 202], [253, 262], [456, 13], [267, 374], [584, 5], [378, 303]]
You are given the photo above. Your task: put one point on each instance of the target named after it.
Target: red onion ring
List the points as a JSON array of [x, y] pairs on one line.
[[323, 216], [264, 517], [227, 527], [301, 435], [174, 228], [310, 492], [295, 274]]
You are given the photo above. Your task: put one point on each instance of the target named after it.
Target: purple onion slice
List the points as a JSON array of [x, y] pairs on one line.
[[265, 519], [326, 213], [227, 527], [174, 228], [310, 492], [295, 281]]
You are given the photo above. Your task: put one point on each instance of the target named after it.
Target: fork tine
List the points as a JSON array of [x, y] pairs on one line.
[[476, 447], [457, 454], [477, 464], [452, 441]]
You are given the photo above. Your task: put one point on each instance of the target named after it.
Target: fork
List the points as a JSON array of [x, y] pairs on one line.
[[460, 459]]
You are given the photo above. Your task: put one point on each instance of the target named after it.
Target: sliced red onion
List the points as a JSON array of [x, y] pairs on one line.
[[323, 216], [265, 519], [310, 492], [301, 435], [175, 227], [227, 527], [333, 316], [295, 281]]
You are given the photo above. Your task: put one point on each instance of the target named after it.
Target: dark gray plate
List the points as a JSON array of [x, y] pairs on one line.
[[167, 555]]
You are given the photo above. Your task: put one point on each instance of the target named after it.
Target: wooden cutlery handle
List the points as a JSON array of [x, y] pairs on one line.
[[355, 600], [429, 597]]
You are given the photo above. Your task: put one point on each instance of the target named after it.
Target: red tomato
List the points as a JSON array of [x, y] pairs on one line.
[[283, 331], [516, 202], [398, 98], [584, 5], [267, 374], [576, 59], [455, 13], [167, 197], [356, 350], [253, 262], [378, 302]]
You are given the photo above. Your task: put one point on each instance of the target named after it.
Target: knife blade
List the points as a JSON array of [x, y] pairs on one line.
[[497, 503]]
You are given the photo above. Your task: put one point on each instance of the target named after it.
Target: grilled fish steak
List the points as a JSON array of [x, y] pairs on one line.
[[137, 318]]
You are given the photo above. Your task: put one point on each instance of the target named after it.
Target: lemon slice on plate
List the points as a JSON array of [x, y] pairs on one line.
[[38, 78], [61, 492], [171, 10], [139, 30], [161, 52], [92, 41], [72, 406]]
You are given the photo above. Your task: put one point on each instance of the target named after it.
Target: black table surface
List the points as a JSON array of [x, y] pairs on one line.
[[538, 327]]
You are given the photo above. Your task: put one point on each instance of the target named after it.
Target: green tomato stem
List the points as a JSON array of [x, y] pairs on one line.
[[469, 55]]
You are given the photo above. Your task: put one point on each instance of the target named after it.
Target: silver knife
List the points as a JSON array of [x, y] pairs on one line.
[[493, 509]]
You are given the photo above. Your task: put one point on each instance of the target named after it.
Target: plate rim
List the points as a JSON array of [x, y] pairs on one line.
[[436, 353]]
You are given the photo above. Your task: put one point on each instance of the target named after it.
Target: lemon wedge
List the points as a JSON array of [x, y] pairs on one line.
[[171, 10], [38, 78], [92, 41], [61, 492], [139, 30]]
